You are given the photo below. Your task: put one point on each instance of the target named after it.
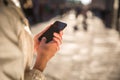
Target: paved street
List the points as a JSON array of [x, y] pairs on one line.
[[84, 55]]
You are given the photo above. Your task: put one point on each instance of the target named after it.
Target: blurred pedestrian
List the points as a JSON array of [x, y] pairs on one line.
[[22, 57], [75, 28], [84, 13]]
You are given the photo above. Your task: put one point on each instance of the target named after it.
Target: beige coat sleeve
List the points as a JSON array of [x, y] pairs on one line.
[[34, 74], [11, 56], [13, 53]]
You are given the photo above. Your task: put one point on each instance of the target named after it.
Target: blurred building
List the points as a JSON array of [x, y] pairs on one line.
[[104, 10]]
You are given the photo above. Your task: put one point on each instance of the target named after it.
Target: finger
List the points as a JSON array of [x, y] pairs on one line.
[[58, 36], [61, 33], [57, 48], [43, 41], [58, 41], [54, 44]]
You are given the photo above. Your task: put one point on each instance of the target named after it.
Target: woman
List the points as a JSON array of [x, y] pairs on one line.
[[22, 57]]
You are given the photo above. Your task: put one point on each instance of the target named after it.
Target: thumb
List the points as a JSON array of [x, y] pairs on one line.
[[43, 41]]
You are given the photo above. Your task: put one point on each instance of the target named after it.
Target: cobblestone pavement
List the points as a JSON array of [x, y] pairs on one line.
[[91, 55]]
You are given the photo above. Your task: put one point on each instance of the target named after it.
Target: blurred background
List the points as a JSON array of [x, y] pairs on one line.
[[91, 41]]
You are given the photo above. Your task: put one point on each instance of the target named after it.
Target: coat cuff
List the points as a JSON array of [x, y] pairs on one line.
[[34, 74]]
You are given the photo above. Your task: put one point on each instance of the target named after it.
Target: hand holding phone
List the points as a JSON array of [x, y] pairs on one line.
[[56, 27]]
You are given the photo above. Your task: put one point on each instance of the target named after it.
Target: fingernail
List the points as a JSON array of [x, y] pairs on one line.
[[43, 38]]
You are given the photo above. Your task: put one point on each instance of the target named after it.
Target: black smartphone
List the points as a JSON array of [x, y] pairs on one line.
[[55, 27]]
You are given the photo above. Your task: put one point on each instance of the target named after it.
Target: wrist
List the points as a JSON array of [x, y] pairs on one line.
[[40, 64]]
